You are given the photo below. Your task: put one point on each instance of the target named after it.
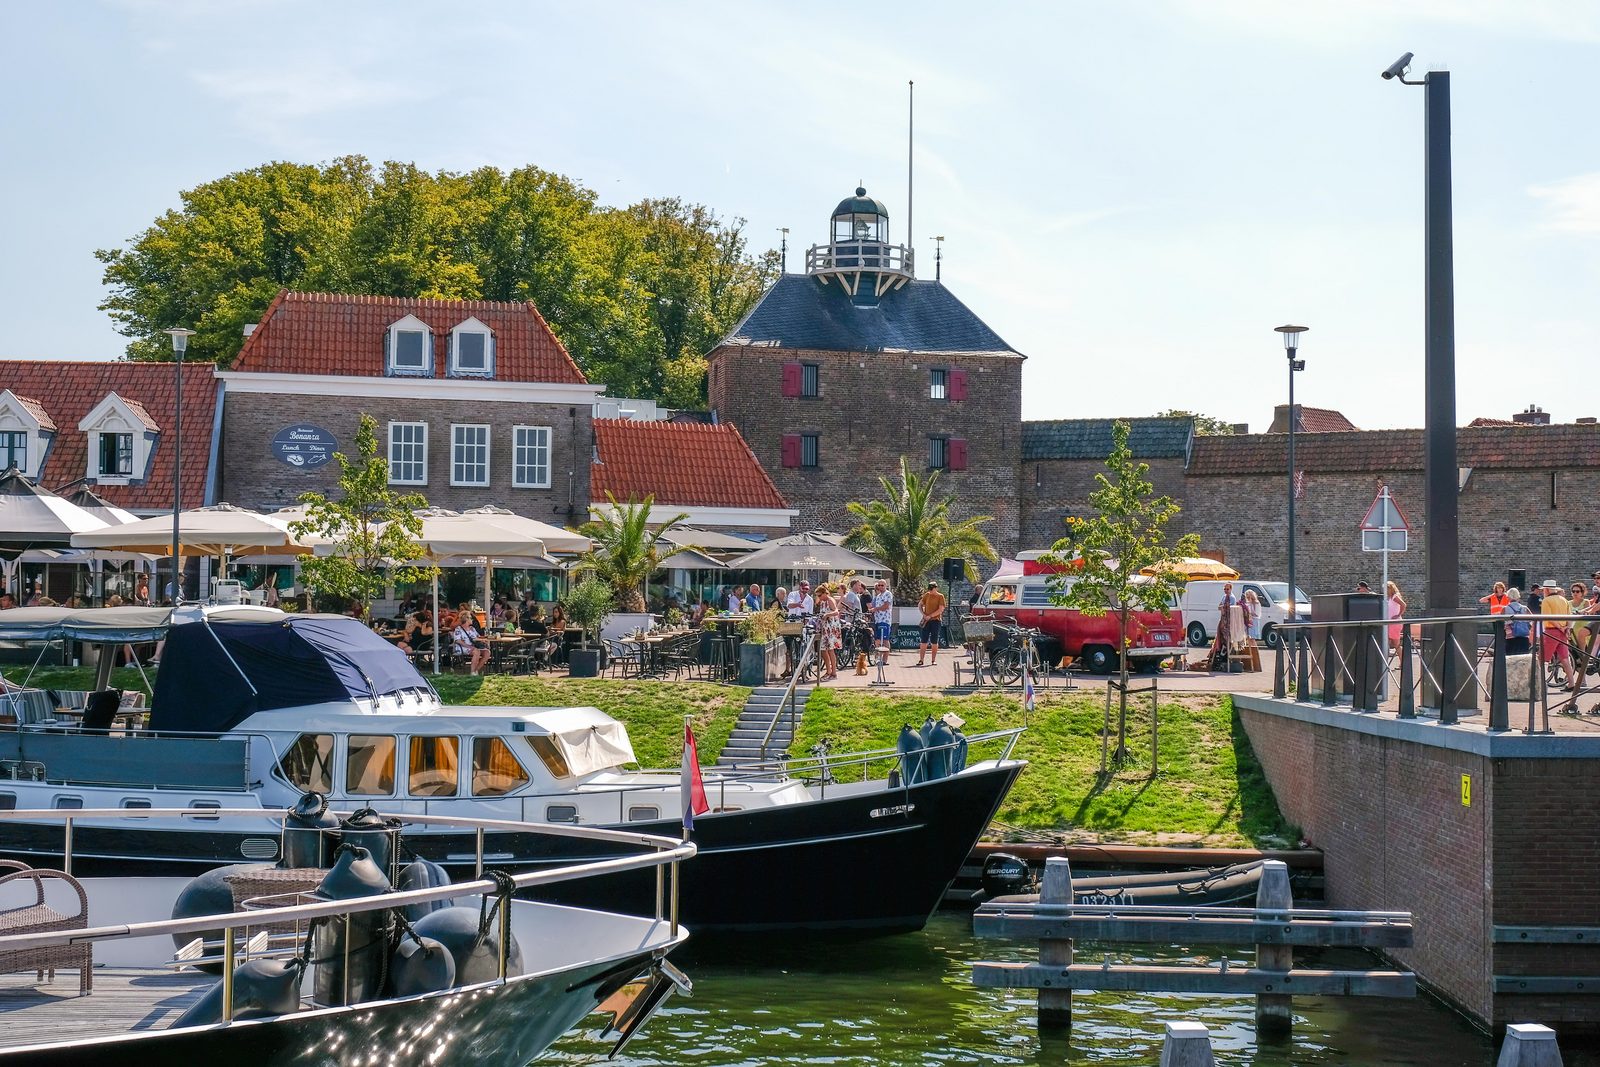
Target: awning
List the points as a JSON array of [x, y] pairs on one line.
[[101, 625], [687, 559]]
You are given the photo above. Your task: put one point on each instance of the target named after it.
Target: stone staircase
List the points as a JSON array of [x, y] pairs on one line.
[[744, 744]]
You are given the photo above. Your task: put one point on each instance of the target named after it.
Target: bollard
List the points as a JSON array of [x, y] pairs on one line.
[[1528, 1045], [1274, 1011], [1302, 670], [1330, 672], [1187, 1045], [1055, 1005], [1499, 708]]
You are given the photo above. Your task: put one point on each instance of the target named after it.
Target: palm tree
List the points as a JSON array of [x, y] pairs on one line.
[[625, 555], [910, 531]]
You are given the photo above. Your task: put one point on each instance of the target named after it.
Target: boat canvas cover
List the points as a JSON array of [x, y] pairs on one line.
[[217, 673], [105, 625], [589, 739]]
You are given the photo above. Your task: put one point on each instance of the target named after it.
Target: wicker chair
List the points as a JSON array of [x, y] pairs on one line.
[[38, 918]]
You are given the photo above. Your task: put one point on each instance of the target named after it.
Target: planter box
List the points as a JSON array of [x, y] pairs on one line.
[[760, 664], [583, 662]]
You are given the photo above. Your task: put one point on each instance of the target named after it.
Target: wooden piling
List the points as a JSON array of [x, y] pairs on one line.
[[1275, 1011], [1187, 1045], [1055, 1003], [1529, 1045]]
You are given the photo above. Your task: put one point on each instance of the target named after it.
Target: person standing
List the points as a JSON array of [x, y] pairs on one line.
[[1221, 647], [1554, 643], [1394, 606], [1517, 628], [882, 606], [932, 606], [1252, 614], [828, 632], [800, 605], [735, 602], [1497, 599]]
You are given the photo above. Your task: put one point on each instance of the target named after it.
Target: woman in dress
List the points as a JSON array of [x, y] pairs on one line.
[[1252, 614], [1224, 641], [829, 633], [1394, 606]]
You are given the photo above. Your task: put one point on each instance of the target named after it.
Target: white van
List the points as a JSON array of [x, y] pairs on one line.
[[1200, 600]]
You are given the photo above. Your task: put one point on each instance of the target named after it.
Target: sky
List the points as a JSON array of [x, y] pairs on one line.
[[1133, 194]]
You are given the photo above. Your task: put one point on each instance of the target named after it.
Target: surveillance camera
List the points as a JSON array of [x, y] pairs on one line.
[[1398, 68]]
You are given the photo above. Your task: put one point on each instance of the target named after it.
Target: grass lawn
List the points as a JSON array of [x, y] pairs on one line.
[[126, 678], [1210, 789]]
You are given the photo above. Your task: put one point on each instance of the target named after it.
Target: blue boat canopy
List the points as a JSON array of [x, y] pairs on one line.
[[218, 672]]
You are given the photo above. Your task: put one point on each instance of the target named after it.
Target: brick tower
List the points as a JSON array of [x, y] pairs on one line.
[[838, 372]]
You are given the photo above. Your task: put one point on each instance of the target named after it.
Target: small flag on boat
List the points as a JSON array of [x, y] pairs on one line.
[[693, 788]]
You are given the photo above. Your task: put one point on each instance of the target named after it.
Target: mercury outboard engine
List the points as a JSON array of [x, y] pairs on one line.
[[349, 972], [1005, 875], [910, 746], [309, 832]]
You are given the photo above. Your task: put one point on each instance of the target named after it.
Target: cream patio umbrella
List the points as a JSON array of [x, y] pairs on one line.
[[32, 517], [554, 538], [221, 530]]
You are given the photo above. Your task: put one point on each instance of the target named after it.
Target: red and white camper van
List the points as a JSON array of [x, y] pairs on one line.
[[1027, 599]]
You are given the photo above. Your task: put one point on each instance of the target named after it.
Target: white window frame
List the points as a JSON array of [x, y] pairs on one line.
[[99, 454], [517, 480], [113, 415], [475, 327], [16, 418], [393, 465], [938, 383], [456, 446], [409, 324]]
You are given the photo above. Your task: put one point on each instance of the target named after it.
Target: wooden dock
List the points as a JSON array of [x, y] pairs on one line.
[[124, 1000]]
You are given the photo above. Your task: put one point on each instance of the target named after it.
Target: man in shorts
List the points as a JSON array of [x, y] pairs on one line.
[[882, 616], [932, 607]]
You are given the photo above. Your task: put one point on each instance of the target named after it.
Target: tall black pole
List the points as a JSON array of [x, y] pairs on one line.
[[177, 472], [1441, 539], [1294, 614]]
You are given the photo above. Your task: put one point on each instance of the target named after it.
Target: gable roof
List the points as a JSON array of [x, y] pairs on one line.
[[800, 311], [1311, 420], [1150, 438], [68, 390], [1504, 447], [35, 409], [684, 464], [343, 334]]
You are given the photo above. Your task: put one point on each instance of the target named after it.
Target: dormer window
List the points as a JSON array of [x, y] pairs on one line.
[[25, 433], [122, 436], [410, 345], [116, 455], [14, 450], [472, 350]]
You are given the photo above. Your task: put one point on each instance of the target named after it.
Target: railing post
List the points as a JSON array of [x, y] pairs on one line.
[[1302, 672], [1529, 1045], [66, 844], [1330, 671], [1408, 680], [1055, 1004], [1187, 1045], [1280, 687], [1274, 1011], [1499, 706], [1445, 641], [1369, 652], [227, 972]]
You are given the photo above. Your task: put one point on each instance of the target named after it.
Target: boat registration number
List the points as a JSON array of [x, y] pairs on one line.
[[894, 809]]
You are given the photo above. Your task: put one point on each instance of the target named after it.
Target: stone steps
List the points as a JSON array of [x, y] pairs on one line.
[[755, 719]]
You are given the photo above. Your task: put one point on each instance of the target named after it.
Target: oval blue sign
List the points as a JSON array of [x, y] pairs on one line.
[[304, 446]]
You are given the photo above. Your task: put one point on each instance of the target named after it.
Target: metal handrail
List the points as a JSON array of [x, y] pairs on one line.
[[806, 652]]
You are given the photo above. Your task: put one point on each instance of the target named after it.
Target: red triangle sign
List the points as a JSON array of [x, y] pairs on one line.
[[1385, 512]]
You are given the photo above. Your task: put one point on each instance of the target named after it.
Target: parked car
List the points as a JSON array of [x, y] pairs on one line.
[[1026, 600], [1200, 600]]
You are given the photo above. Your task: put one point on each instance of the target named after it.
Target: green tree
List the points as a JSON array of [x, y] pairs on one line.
[[1204, 425], [909, 530], [638, 294], [1121, 560], [372, 530], [625, 555]]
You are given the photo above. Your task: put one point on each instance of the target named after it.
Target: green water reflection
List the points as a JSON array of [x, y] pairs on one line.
[[910, 1000]]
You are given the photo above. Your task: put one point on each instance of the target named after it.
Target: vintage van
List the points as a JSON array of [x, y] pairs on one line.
[[1026, 600]]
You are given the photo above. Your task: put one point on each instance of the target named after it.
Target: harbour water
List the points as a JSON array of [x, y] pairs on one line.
[[909, 1000]]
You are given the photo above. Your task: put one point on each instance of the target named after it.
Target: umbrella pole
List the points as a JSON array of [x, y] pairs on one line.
[[436, 620]]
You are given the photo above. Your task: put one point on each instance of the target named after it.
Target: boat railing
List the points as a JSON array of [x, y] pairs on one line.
[[664, 855]]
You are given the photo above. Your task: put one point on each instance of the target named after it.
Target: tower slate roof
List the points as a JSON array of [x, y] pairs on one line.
[[1149, 438], [800, 311]]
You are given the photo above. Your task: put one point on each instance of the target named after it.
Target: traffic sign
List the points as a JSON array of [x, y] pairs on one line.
[[1384, 529]]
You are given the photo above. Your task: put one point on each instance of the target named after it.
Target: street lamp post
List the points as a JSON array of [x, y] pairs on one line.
[[180, 342], [1291, 347]]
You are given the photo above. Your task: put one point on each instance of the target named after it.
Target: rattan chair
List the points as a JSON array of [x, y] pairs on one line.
[[38, 918]]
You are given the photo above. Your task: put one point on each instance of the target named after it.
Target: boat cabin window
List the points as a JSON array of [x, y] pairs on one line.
[[495, 771], [550, 756], [8, 802], [561, 813], [204, 805], [369, 767], [643, 813], [308, 765], [136, 804], [435, 767], [69, 803]]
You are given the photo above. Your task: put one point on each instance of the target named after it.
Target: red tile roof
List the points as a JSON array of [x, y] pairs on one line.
[[1504, 447], [1312, 420], [684, 464], [1482, 421], [343, 334], [67, 390], [36, 409]]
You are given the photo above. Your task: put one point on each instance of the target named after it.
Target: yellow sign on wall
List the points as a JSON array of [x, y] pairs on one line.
[[1466, 790]]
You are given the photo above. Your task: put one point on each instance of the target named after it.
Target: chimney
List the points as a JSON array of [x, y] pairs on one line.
[[1534, 416], [1240, 428], [1587, 420], [249, 328]]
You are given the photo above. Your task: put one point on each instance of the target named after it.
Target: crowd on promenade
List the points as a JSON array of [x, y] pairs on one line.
[[1566, 643]]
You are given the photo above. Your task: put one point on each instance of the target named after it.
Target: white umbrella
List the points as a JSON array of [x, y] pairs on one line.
[[554, 538], [219, 530], [100, 508], [34, 518]]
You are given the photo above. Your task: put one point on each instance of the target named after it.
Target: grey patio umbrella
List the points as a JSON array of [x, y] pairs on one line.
[[805, 552], [32, 517]]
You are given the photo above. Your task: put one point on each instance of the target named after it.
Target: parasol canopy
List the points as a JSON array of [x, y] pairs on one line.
[[33, 517], [554, 538], [219, 530], [1194, 568], [814, 550]]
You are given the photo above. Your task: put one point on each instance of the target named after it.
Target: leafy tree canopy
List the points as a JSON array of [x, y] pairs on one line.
[[909, 530], [638, 294], [1204, 425], [371, 529]]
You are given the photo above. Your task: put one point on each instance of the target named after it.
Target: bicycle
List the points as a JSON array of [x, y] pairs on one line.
[[1006, 662]]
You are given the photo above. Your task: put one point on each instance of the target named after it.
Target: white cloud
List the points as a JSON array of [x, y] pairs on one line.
[[1573, 204]]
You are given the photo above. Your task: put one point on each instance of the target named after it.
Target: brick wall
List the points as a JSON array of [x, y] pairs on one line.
[[1506, 523], [872, 409], [253, 476], [1055, 488]]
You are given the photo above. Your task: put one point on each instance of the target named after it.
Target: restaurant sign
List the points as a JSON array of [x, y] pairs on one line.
[[304, 446]]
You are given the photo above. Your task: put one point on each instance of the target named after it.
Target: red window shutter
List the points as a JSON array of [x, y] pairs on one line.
[[791, 382], [791, 443], [957, 457], [958, 385]]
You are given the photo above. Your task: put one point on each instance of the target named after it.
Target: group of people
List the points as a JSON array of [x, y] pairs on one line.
[[468, 627], [1566, 643]]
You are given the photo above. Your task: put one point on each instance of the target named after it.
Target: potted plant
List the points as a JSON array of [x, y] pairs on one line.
[[761, 656], [587, 604]]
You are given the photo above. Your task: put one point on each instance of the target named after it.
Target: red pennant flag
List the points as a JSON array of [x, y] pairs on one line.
[[693, 788]]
